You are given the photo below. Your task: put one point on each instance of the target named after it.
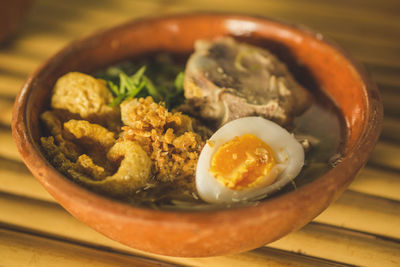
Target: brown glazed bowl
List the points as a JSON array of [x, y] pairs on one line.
[[215, 232]]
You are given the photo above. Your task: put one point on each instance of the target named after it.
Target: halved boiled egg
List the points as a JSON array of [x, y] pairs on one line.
[[247, 159]]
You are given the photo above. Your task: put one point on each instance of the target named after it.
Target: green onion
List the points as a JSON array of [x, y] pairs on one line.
[[124, 86], [151, 89], [179, 81]]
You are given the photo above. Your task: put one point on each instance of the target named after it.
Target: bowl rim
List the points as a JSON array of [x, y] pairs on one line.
[[331, 182]]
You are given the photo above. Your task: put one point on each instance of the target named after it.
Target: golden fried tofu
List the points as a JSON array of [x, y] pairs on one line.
[[86, 96]]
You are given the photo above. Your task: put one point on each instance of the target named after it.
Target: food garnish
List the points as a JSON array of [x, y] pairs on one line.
[[140, 84]]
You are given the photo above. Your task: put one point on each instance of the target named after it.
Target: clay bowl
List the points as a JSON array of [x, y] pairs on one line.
[[216, 232]]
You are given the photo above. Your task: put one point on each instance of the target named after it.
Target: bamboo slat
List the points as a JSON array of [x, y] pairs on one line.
[[391, 129], [8, 148], [5, 111], [80, 26], [387, 155], [21, 249], [391, 100], [17, 65], [24, 249], [377, 182], [116, 7], [329, 17], [32, 45], [16, 179], [342, 245], [365, 213], [10, 85], [388, 79]]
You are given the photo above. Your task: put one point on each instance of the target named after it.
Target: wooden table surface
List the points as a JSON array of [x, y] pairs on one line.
[[361, 228]]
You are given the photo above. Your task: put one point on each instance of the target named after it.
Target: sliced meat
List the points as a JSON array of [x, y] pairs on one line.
[[226, 80]]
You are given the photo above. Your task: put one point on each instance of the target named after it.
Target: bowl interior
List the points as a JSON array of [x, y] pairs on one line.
[[319, 64]]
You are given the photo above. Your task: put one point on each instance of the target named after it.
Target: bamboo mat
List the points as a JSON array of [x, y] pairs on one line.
[[361, 228]]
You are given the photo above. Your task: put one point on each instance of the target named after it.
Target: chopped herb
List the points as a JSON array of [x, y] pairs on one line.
[[152, 90], [129, 86], [179, 81], [114, 89], [153, 78]]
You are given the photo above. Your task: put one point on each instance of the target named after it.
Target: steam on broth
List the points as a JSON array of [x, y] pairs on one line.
[[167, 139]]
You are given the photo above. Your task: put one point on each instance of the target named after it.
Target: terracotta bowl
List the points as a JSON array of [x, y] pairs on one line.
[[217, 232]]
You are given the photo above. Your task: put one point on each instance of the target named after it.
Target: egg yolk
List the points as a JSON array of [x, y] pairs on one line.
[[243, 162]]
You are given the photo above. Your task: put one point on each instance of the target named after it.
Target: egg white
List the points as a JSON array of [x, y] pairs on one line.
[[288, 152]]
